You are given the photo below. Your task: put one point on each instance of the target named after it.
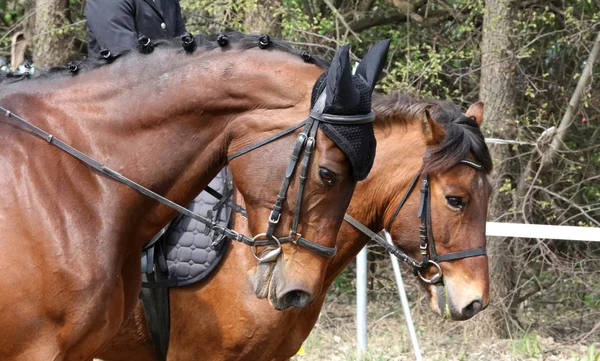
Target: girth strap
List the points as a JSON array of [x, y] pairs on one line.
[[155, 301]]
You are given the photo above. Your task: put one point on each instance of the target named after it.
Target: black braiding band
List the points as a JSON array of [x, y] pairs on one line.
[[222, 40], [73, 68], [145, 45], [188, 42], [264, 41]]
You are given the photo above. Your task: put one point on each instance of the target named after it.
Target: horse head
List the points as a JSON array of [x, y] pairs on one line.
[[443, 225], [310, 216]]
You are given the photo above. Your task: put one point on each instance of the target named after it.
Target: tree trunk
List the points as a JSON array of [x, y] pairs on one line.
[[51, 44], [264, 17], [497, 91], [567, 120]]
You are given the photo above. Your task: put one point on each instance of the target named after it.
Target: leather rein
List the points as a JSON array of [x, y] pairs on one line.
[[429, 254], [305, 141]]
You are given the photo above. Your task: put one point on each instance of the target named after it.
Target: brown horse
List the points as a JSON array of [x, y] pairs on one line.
[[246, 328], [71, 236]]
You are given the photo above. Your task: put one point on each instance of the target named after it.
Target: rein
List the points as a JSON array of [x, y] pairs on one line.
[[429, 254], [306, 141]]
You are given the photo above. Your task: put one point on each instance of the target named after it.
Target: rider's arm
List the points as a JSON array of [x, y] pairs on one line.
[[179, 24], [112, 24]]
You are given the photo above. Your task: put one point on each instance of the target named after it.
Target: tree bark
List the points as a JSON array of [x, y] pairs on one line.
[[567, 119], [264, 18], [497, 91], [51, 44]]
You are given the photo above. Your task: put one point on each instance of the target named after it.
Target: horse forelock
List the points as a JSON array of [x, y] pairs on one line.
[[463, 135]]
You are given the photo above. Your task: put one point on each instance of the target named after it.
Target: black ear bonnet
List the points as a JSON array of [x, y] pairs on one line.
[[349, 95], [357, 141]]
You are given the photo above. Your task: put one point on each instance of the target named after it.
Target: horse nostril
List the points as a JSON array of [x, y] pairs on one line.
[[472, 309], [296, 298]]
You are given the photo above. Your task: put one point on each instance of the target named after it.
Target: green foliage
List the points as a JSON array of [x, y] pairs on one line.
[[344, 283], [591, 355], [529, 346]]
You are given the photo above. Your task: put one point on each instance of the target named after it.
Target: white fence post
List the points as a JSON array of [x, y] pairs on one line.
[[404, 301], [361, 300]]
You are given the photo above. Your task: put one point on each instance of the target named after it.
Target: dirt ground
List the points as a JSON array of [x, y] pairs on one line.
[[334, 338]]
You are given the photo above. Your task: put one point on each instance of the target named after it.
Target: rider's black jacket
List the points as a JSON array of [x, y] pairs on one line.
[[116, 25]]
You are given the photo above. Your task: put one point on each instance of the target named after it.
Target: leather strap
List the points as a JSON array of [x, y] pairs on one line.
[[285, 185], [343, 119], [382, 242], [155, 301], [310, 143], [426, 240], [266, 141], [103, 169], [404, 198], [474, 252]]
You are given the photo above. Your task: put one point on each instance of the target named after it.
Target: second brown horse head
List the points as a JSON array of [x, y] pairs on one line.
[[452, 143]]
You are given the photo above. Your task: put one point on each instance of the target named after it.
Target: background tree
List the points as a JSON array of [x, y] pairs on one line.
[[51, 45], [497, 91]]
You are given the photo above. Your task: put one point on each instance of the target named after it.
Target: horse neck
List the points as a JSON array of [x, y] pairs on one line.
[[170, 125], [400, 150]]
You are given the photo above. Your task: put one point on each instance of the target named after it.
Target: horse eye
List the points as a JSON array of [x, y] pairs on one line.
[[455, 202], [327, 176]]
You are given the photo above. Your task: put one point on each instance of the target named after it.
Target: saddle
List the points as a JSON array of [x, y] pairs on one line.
[[181, 254]]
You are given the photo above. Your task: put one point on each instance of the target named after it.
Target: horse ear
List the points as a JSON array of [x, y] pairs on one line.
[[432, 132], [372, 64], [341, 92], [476, 111]]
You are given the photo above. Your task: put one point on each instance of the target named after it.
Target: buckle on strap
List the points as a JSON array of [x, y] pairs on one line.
[[294, 236], [274, 221]]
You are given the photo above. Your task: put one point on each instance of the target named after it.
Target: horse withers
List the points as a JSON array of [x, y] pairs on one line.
[[167, 120], [221, 319]]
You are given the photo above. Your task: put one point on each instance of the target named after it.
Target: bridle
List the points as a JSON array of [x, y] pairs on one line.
[[305, 142], [429, 254]]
